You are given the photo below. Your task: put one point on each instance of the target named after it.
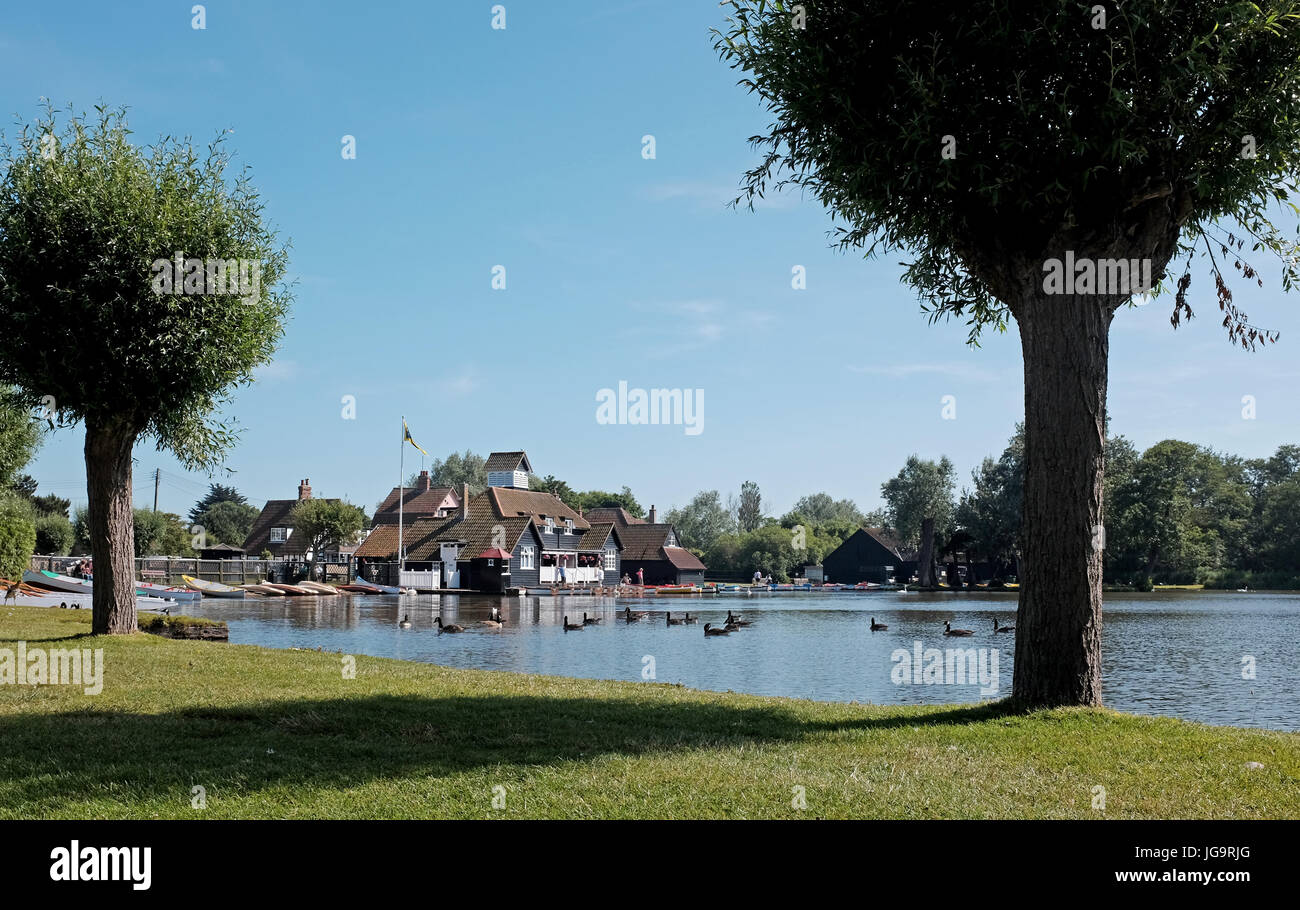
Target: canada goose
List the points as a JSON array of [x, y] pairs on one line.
[[949, 630], [495, 620], [691, 620], [997, 628], [590, 621], [404, 624], [674, 622], [448, 627], [709, 630], [877, 626], [629, 616], [737, 622], [572, 626]]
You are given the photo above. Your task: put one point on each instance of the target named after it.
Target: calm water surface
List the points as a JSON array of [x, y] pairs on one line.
[[1173, 653]]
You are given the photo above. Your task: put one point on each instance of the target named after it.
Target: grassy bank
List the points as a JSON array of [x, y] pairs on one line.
[[282, 734]]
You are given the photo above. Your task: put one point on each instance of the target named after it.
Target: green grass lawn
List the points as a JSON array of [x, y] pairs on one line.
[[282, 734]]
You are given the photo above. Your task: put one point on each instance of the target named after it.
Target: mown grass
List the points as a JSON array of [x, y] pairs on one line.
[[282, 734]]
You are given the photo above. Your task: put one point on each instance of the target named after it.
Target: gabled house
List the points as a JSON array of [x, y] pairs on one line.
[[506, 536], [620, 516], [654, 548], [421, 501], [869, 554], [273, 530]]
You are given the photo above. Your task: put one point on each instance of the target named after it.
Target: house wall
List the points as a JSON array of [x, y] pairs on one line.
[[861, 558]]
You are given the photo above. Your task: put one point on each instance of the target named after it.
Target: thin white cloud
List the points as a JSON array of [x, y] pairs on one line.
[[906, 370]]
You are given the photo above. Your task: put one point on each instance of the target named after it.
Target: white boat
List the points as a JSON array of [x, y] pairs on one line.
[[264, 590], [212, 588], [318, 587], [53, 581]]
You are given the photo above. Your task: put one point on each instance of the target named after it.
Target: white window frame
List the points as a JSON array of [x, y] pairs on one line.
[[527, 558], [611, 557], [568, 526], [279, 535], [550, 525]]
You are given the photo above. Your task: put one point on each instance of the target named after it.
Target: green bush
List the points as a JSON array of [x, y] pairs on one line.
[[54, 535], [17, 538]]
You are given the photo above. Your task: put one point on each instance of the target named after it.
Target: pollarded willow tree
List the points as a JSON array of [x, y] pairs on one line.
[[1017, 152], [138, 288]]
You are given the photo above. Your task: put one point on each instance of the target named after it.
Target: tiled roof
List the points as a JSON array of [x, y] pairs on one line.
[[415, 503], [683, 559], [508, 461], [424, 536], [617, 514], [595, 537], [511, 503], [645, 541], [275, 514]]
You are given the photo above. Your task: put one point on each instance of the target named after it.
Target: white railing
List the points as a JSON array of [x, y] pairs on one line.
[[411, 579]]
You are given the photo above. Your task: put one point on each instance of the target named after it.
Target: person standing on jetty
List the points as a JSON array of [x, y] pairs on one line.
[[640, 577]]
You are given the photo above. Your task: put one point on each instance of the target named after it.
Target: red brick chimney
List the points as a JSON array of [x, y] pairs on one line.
[[423, 483], [464, 501], [304, 489], [652, 515]]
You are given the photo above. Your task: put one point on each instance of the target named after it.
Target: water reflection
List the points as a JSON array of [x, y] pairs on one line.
[[1174, 653]]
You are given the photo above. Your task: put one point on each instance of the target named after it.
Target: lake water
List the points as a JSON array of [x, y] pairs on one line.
[[1174, 653]]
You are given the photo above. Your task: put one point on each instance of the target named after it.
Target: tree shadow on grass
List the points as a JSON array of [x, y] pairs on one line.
[[50, 760]]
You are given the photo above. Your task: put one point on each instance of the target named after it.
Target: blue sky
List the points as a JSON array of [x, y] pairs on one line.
[[522, 147]]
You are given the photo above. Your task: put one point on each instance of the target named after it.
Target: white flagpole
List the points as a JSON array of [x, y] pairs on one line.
[[401, 471]]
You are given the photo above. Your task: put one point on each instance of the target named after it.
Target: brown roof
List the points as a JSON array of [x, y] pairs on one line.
[[617, 514], [683, 559], [507, 461], [511, 503], [595, 537], [416, 503], [275, 514], [646, 541], [424, 537]]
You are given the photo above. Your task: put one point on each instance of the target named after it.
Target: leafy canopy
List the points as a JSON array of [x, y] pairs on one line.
[[83, 215], [1126, 140]]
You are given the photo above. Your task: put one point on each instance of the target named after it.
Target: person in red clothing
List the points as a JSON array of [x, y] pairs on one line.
[[640, 577]]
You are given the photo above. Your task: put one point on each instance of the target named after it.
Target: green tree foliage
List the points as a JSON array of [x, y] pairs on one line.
[[160, 534], [217, 493], [595, 499], [990, 511], [84, 216], [54, 535], [227, 521], [460, 468], [20, 437], [749, 509], [922, 489], [17, 537], [327, 523], [702, 521], [817, 508]]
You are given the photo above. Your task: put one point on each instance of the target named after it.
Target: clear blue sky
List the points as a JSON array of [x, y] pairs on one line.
[[522, 147]]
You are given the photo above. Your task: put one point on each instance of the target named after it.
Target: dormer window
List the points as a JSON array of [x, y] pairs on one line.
[[568, 526], [550, 525], [280, 535]]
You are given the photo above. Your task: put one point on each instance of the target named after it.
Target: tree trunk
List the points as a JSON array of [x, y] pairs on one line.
[[925, 559], [112, 525], [1065, 341]]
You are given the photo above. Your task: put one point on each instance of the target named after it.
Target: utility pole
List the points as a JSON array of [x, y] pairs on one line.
[[155, 489]]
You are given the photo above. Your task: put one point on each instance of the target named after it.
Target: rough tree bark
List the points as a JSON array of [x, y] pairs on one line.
[[112, 525], [1065, 341]]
